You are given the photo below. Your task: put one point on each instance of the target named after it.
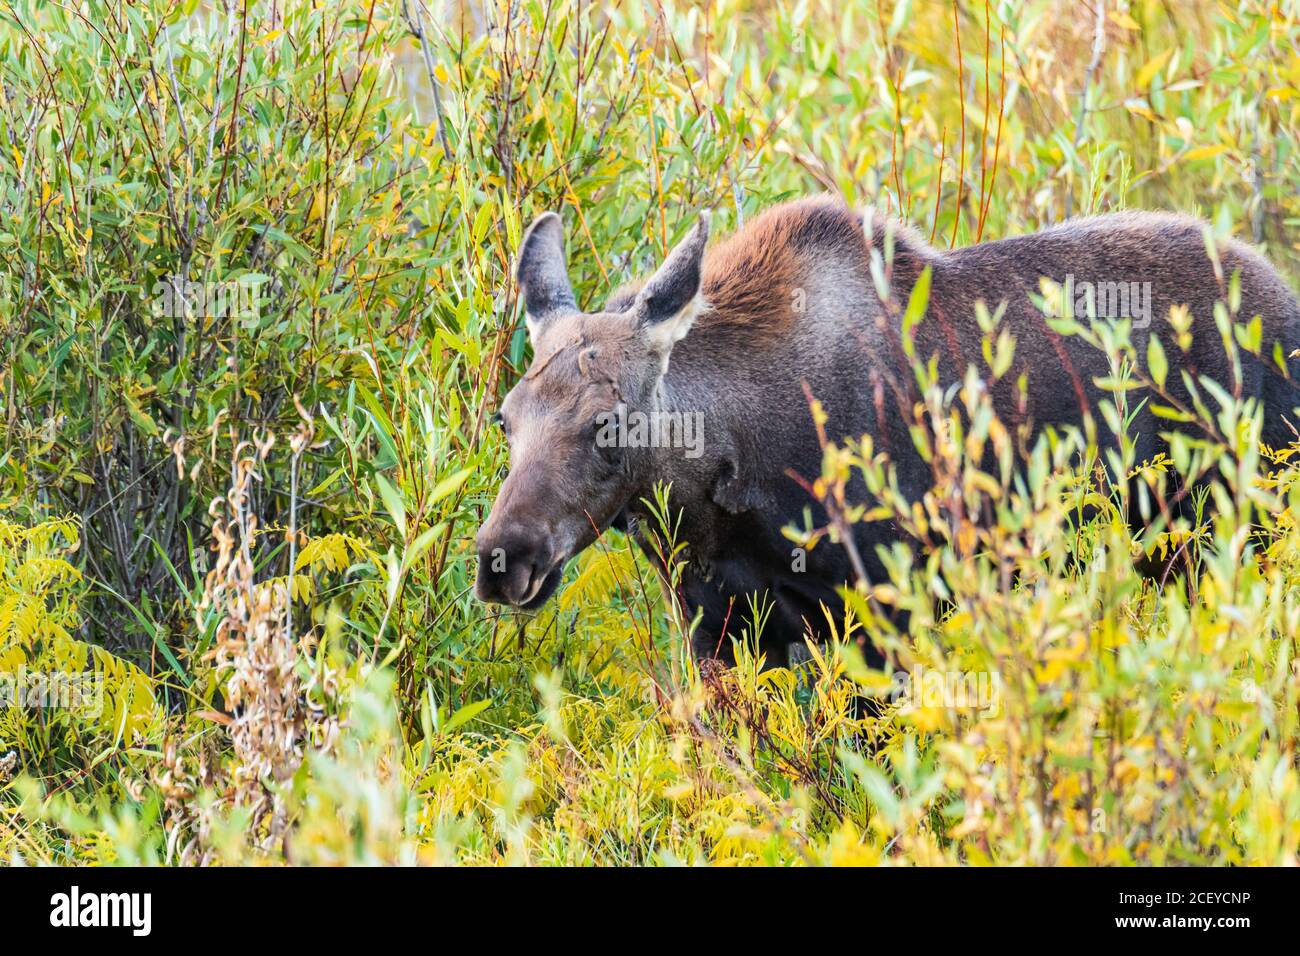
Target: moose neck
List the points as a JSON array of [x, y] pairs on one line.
[[790, 310]]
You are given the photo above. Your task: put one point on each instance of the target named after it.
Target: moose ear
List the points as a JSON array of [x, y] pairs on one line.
[[541, 273], [667, 304]]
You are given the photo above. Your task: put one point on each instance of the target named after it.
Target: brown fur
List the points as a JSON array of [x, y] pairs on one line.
[[788, 304], [750, 280]]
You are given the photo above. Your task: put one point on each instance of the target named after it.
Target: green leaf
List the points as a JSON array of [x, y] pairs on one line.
[[449, 484], [916, 304], [465, 714], [1157, 363], [393, 503]]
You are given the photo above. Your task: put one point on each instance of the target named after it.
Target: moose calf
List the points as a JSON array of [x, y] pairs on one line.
[[731, 338]]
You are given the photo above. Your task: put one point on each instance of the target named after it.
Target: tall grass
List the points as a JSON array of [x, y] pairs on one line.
[[300, 671]]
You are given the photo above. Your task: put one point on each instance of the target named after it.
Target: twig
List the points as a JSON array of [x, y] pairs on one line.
[[961, 100], [1098, 49], [416, 26]]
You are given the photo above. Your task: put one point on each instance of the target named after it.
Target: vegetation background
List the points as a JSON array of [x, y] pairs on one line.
[[256, 529]]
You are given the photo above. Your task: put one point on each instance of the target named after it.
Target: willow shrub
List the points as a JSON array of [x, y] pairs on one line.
[[224, 222]]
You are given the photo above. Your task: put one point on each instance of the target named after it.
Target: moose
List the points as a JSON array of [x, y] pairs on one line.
[[742, 333]]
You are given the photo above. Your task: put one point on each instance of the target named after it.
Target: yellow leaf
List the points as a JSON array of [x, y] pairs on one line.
[[1153, 66], [1050, 670], [1204, 152], [927, 719], [1141, 109]]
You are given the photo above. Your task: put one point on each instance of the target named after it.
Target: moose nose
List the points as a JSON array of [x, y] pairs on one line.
[[511, 568]]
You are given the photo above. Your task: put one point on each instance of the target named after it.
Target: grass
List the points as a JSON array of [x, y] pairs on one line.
[[284, 630]]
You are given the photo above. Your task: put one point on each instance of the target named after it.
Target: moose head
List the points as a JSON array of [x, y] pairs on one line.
[[567, 481]]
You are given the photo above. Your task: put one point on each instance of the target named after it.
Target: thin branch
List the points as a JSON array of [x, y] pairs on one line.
[[416, 26], [1098, 50]]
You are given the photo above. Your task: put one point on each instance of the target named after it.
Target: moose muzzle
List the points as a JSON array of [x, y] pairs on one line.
[[516, 567]]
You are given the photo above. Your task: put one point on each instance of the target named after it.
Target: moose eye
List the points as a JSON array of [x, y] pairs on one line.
[[607, 440], [602, 429], [497, 420]]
